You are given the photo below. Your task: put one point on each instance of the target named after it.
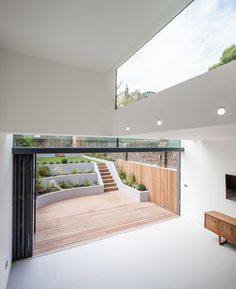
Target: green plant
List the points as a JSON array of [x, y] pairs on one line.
[[228, 55], [24, 141], [43, 171], [70, 185], [67, 185], [74, 172], [64, 161], [62, 184], [141, 187], [39, 186], [131, 179], [87, 184], [52, 188], [122, 173]]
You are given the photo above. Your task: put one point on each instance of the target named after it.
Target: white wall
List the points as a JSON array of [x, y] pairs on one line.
[[190, 104], [38, 96], [5, 207], [204, 165]]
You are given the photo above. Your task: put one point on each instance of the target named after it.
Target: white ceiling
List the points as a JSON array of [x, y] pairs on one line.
[[95, 35], [219, 132]]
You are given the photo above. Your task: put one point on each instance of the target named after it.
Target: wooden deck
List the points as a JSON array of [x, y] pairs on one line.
[[81, 220]]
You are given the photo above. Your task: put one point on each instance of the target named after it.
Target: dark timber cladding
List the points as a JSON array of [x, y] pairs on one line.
[[22, 206], [40, 150]]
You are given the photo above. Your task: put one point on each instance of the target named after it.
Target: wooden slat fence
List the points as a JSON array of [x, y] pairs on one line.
[[160, 182]]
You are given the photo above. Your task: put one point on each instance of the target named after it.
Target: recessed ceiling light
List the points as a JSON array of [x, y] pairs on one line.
[[221, 111], [159, 122], [128, 128]]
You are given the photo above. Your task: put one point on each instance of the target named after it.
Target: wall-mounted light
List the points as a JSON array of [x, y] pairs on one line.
[[221, 111], [127, 127], [159, 122]]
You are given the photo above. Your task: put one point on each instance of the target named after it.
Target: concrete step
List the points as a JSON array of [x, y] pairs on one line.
[[110, 189]]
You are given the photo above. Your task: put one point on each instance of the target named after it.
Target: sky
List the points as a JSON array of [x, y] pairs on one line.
[[185, 48]]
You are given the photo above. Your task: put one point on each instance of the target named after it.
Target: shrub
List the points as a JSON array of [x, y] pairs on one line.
[[62, 184], [87, 184], [68, 185], [39, 186], [51, 188], [43, 171], [74, 172], [64, 161], [24, 141], [122, 174], [131, 180], [41, 189], [141, 187]]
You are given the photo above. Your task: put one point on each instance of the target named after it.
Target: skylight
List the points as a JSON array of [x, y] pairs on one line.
[[191, 44]]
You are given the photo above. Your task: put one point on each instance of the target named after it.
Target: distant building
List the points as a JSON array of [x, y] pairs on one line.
[[124, 98]]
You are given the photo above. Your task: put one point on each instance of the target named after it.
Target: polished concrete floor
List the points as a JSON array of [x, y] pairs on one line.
[[176, 254]]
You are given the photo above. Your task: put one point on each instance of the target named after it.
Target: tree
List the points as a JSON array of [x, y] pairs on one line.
[[125, 101], [228, 55], [24, 141]]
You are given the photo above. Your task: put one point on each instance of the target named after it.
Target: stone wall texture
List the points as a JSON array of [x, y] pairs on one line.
[[160, 159]]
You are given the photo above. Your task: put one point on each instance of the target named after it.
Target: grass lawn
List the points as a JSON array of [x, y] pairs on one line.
[[58, 159]]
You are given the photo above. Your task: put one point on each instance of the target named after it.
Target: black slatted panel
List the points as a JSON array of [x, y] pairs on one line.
[[23, 190]]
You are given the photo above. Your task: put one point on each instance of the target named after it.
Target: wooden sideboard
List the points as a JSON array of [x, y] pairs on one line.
[[222, 225]]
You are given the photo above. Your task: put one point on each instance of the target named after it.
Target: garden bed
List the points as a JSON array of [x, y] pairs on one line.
[[71, 178], [140, 196], [57, 182], [63, 169], [53, 159], [61, 195]]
